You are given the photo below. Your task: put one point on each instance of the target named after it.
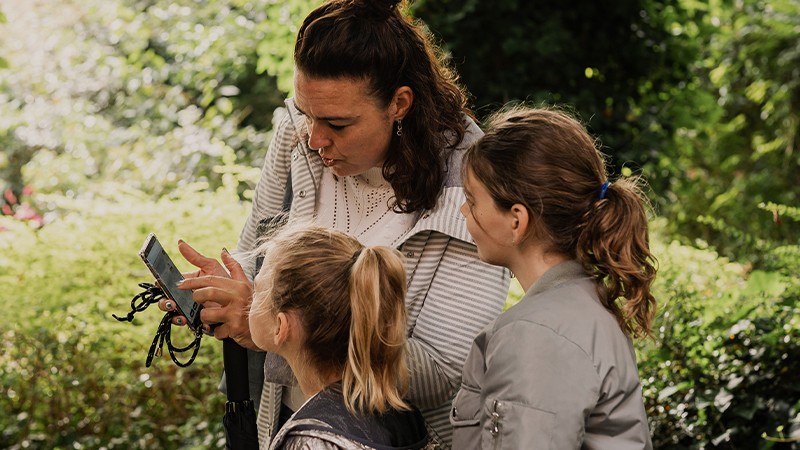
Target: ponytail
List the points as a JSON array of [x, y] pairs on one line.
[[613, 246], [351, 304], [376, 375], [545, 159]]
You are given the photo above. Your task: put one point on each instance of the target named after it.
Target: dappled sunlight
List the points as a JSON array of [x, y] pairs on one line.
[[124, 117]]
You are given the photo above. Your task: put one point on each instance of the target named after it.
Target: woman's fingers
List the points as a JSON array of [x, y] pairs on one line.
[[207, 266], [222, 290], [226, 302], [166, 305], [233, 266]]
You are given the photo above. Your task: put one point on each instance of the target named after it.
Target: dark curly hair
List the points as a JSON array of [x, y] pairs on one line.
[[375, 40]]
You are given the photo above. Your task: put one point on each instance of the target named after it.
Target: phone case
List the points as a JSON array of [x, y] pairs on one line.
[[168, 277]]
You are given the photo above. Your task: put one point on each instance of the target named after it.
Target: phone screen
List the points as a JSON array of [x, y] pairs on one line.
[[168, 276]]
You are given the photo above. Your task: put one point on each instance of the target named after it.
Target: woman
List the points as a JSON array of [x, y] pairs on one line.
[[335, 311], [557, 370], [373, 140]]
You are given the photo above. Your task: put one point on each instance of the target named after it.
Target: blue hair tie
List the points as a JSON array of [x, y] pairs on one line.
[[603, 190]]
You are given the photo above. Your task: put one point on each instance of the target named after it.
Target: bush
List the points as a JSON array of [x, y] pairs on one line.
[[722, 372], [153, 93], [75, 377]]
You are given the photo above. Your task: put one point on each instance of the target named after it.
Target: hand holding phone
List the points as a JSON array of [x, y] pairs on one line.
[[168, 277]]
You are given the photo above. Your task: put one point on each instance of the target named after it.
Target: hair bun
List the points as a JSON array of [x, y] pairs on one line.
[[378, 9]]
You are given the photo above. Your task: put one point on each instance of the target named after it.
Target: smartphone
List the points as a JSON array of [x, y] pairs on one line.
[[168, 277]]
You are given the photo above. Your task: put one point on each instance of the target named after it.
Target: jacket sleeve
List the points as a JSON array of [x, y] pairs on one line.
[[463, 296], [268, 195], [537, 391]]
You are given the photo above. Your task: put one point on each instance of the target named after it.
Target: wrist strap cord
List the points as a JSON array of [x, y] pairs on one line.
[[152, 294]]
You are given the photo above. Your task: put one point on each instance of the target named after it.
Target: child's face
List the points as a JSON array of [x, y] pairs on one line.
[[486, 222], [263, 320]]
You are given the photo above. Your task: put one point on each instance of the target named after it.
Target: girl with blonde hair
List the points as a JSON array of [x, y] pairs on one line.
[[335, 310]]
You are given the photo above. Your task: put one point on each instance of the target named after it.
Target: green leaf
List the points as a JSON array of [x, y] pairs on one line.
[[770, 284]]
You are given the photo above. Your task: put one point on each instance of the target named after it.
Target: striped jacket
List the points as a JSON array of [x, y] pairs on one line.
[[451, 296]]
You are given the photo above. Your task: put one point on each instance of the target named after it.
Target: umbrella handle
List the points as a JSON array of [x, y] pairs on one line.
[[235, 359]]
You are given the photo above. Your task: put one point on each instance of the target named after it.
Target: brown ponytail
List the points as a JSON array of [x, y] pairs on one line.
[[613, 245], [545, 160]]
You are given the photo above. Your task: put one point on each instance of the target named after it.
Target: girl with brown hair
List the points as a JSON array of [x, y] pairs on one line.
[[335, 311], [557, 370]]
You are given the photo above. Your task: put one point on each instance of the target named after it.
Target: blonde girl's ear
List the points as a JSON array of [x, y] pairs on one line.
[[283, 329], [520, 222]]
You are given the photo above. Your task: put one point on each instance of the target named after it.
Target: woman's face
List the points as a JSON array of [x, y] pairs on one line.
[[348, 127], [486, 222]]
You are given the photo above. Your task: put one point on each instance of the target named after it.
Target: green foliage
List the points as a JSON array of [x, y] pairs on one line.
[[615, 62], [741, 146], [722, 371], [3, 62], [73, 376], [276, 49], [151, 93], [703, 97]]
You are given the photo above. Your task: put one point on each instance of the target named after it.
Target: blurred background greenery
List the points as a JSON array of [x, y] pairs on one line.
[[121, 117]]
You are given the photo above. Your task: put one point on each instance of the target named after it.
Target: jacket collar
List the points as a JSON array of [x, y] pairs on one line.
[[299, 122], [557, 275]]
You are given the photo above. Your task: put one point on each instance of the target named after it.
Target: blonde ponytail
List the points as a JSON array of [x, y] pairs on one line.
[[376, 375]]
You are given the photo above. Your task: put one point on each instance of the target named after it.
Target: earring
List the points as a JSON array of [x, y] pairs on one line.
[[399, 127]]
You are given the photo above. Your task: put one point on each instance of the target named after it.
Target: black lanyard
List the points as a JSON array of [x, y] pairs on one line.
[[152, 294]]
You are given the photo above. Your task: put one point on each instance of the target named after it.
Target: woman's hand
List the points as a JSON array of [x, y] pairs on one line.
[[206, 266], [226, 295]]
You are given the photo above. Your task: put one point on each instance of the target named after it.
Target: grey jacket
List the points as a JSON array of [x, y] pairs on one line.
[[553, 372], [451, 294], [324, 423]]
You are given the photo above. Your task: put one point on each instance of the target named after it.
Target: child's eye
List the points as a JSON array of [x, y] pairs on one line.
[[337, 127]]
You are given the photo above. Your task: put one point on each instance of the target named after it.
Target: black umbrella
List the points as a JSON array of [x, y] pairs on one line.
[[240, 415]]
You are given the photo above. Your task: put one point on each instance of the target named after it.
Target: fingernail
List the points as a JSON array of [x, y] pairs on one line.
[[169, 306], [206, 328], [180, 282], [226, 250], [179, 321], [180, 241]]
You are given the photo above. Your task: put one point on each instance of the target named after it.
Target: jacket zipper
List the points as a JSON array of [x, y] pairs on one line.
[[496, 424]]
